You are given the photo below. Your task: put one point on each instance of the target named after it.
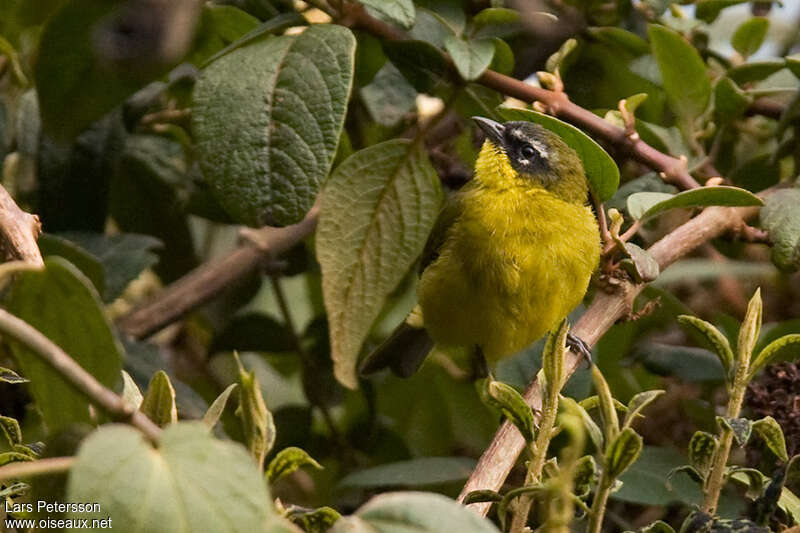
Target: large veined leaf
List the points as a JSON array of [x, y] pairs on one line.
[[403, 512], [601, 171], [377, 210], [192, 482], [400, 12], [61, 303], [267, 119]]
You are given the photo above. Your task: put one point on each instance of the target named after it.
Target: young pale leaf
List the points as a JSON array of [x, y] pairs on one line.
[[622, 452], [601, 171], [9, 376], [608, 411], [512, 405], [287, 461], [130, 391], [377, 211], [11, 429], [719, 341], [316, 521], [685, 77], [776, 351], [495, 22], [553, 360], [267, 119], [61, 303], [638, 403], [730, 102], [770, 431], [750, 328], [708, 10], [159, 400], [471, 57], [215, 410], [167, 489], [421, 512], [257, 422], [400, 12], [644, 205], [749, 36], [780, 216], [702, 447], [742, 428]]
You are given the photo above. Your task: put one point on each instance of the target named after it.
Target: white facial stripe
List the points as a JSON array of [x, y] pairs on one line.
[[541, 148]]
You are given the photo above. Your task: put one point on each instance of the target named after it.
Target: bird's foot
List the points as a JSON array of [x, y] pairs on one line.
[[579, 346], [480, 368]]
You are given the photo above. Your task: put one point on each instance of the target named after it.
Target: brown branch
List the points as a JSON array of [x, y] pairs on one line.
[[18, 232], [81, 380], [206, 281], [39, 467], [501, 455]]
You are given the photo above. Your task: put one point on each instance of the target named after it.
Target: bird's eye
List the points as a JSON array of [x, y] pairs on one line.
[[528, 151]]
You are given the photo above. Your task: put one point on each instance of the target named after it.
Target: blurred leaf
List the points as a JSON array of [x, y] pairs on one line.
[[214, 412], [702, 448], [480, 496], [771, 433], [646, 481], [708, 10], [315, 521], [623, 452], [400, 12], [644, 205], [658, 526], [361, 226], [81, 75], [553, 361], [421, 63], [585, 475], [755, 479], [780, 216], [749, 36], [471, 57], [495, 22], [601, 171], [419, 472], [287, 461], [266, 163], [258, 425], [750, 328], [167, 489], [389, 97], [369, 58], [730, 102], [594, 431], [274, 25], [557, 60], [11, 430], [619, 37], [61, 303], [503, 59], [400, 512], [220, 25], [755, 70], [9, 376], [159, 401], [786, 347], [512, 405], [56, 245], [683, 72], [253, 332]]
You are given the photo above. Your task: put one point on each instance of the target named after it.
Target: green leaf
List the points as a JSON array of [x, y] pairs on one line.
[[11, 430], [220, 25], [780, 216], [620, 38], [55, 245], [741, 428], [400, 512], [130, 391], [645, 205], [61, 303], [82, 72], [269, 27], [702, 447], [622, 452], [419, 472], [159, 400], [638, 403], [601, 171], [719, 341], [556, 60], [215, 410], [755, 70], [191, 482], [495, 22], [584, 475], [400, 12], [642, 266], [594, 431], [9, 376], [754, 479], [471, 57], [708, 10], [683, 73], [749, 36], [776, 351], [730, 102], [512, 405], [750, 328], [257, 423], [423, 65], [287, 461], [482, 496], [608, 411], [315, 521], [503, 60], [389, 97], [553, 361], [770, 431], [14, 457], [377, 211], [267, 119]]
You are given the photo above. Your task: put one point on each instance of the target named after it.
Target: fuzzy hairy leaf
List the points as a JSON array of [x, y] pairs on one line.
[[512, 405], [553, 360], [750, 328], [776, 351], [719, 341], [742, 428], [771, 433], [644, 205], [287, 461], [377, 211], [623, 452], [702, 447], [780, 216], [267, 119]]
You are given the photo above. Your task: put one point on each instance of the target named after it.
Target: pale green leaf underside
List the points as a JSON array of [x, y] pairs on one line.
[[267, 119], [644, 205], [471, 57], [400, 12], [377, 211]]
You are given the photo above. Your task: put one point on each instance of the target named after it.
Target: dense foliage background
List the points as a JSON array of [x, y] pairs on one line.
[[145, 134]]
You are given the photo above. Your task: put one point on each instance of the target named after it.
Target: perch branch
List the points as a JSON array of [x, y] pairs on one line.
[[82, 381], [18, 232], [39, 467], [501, 455]]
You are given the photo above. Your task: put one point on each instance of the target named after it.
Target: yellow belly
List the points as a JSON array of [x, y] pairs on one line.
[[513, 265]]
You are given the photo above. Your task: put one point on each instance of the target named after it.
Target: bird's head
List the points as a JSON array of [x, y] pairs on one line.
[[530, 155]]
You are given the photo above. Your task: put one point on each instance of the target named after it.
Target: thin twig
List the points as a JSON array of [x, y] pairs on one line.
[[39, 467], [82, 381]]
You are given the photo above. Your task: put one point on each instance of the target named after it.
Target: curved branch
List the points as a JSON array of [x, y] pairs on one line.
[[605, 310], [18, 232]]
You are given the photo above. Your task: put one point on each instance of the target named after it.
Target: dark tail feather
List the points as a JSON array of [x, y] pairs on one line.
[[403, 352]]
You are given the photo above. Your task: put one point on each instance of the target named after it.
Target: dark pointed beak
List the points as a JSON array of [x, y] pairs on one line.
[[494, 130]]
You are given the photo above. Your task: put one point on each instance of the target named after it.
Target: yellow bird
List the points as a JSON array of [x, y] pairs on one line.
[[510, 256]]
